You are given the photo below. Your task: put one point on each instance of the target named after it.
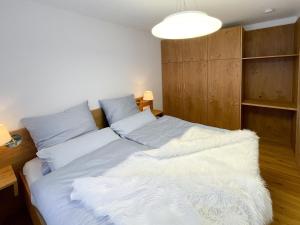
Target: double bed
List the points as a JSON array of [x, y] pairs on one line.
[[49, 196]]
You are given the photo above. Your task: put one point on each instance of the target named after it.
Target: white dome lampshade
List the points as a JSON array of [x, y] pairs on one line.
[[186, 24], [148, 96]]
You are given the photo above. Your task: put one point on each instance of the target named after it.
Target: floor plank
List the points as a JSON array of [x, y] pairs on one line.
[[282, 175]]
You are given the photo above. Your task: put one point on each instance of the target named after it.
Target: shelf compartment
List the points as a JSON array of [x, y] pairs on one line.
[[271, 125], [272, 41], [271, 104], [270, 79], [270, 57]]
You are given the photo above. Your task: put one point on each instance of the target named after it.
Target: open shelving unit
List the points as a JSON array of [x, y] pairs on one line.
[[270, 92], [271, 104], [270, 56]]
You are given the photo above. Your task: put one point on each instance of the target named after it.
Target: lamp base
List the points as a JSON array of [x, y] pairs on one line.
[[15, 141]]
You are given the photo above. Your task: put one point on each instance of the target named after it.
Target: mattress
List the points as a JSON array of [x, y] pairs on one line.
[[51, 193], [32, 171]]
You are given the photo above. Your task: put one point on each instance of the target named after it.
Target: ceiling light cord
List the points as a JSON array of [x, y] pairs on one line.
[[181, 5]]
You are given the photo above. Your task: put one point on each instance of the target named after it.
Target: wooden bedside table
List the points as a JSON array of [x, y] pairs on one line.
[[157, 113], [8, 178]]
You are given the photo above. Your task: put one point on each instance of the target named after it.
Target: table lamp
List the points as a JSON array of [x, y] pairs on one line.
[[8, 140], [148, 96], [148, 100]]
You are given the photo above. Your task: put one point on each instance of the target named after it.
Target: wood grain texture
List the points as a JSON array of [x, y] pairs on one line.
[[8, 178], [270, 104], [279, 40], [195, 91], [297, 98], [279, 169], [225, 44], [157, 113], [269, 79], [185, 92], [173, 89], [19, 155], [35, 216], [224, 81], [171, 51], [270, 57], [271, 125], [194, 49], [297, 121], [297, 35]]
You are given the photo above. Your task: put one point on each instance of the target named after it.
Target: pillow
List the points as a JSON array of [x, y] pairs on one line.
[[50, 130], [118, 108], [129, 124], [62, 154]]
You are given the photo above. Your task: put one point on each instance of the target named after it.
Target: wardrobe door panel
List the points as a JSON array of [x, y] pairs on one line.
[[172, 89], [194, 49], [225, 44], [224, 87], [195, 91], [171, 51]]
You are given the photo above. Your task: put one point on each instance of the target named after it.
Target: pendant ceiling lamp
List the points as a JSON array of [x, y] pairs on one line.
[[186, 24]]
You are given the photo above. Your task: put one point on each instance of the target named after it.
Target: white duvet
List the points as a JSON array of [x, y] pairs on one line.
[[204, 177]]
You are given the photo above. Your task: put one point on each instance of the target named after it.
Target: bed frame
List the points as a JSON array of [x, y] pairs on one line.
[[36, 217], [26, 151]]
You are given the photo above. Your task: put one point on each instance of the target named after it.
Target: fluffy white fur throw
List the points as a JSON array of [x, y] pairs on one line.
[[204, 177]]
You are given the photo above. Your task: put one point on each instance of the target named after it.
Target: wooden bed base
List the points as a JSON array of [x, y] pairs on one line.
[[36, 217]]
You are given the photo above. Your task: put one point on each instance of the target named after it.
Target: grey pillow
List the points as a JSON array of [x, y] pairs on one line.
[[116, 109], [50, 130]]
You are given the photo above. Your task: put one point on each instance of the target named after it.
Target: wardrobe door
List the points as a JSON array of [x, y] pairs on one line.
[[195, 91], [172, 89], [194, 49], [225, 44], [224, 92], [171, 51]]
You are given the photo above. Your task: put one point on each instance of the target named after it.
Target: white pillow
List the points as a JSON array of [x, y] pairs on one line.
[[129, 124], [60, 155]]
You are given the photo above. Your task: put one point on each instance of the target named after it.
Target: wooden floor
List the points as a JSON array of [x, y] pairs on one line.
[[279, 169]]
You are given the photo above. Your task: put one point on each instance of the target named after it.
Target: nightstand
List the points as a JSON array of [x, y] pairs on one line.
[[8, 178], [157, 113]]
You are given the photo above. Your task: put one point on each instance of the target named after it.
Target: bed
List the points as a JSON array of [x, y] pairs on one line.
[[50, 198], [60, 180]]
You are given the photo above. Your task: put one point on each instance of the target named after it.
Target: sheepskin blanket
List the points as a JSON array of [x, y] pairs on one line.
[[202, 178]]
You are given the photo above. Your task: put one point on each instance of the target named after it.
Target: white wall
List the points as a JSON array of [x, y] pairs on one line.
[[51, 59], [271, 23]]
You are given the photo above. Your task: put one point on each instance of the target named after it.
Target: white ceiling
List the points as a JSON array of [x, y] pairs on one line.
[[144, 14]]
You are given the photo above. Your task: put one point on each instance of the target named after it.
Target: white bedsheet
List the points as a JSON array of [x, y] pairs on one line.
[[32, 170]]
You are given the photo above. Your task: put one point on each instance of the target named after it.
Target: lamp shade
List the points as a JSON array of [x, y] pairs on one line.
[[186, 24], [4, 135], [148, 96]]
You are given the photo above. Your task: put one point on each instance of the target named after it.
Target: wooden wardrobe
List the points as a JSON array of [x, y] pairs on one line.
[[202, 78], [237, 79]]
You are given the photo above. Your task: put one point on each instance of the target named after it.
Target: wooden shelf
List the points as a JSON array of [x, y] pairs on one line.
[[270, 104], [270, 57]]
